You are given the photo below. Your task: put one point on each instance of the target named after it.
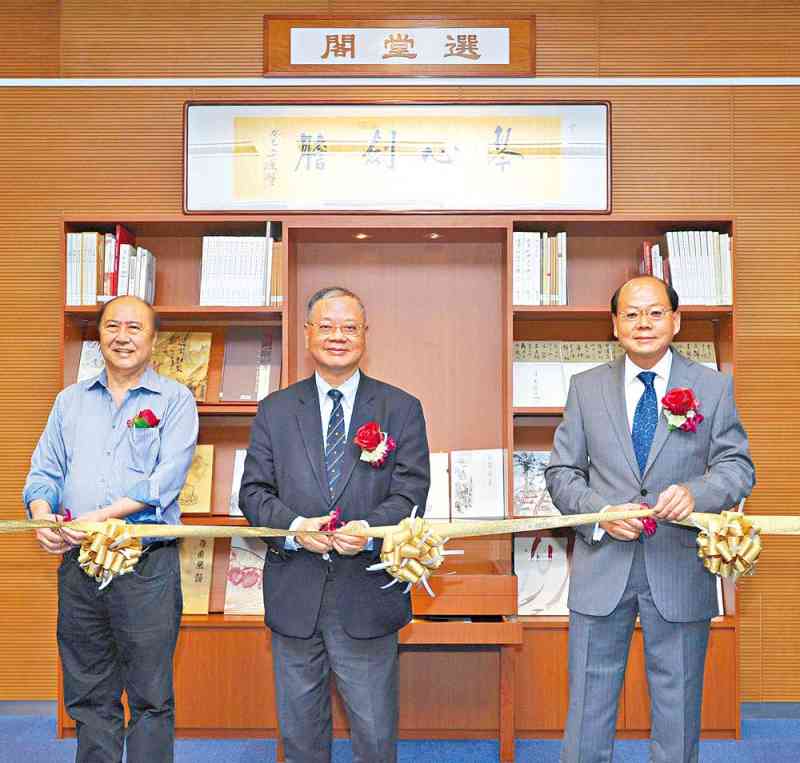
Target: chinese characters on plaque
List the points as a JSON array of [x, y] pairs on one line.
[[488, 46], [514, 157]]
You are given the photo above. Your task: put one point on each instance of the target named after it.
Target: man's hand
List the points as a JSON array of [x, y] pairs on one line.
[[317, 544], [349, 545], [76, 537], [51, 540], [624, 529], [674, 503]]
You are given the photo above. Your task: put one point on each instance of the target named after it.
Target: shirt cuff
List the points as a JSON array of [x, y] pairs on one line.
[[152, 512], [289, 543], [42, 493], [599, 532], [370, 544]]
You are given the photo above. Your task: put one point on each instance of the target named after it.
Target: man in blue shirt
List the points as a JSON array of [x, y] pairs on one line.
[[91, 461]]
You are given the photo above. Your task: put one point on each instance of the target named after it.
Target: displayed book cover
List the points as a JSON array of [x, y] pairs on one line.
[[195, 496], [477, 484], [438, 503], [701, 352], [197, 561], [531, 498], [542, 565], [183, 356], [243, 585], [92, 362], [236, 482], [537, 375]]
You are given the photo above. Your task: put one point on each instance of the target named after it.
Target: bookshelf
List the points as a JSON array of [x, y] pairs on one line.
[[442, 326]]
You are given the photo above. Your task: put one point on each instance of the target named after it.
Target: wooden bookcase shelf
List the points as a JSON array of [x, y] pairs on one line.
[[441, 325]]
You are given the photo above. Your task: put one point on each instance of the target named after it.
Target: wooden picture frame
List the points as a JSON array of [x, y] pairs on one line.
[[258, 158]]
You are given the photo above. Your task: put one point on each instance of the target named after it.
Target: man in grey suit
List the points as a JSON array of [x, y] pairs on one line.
[[325, 610], [614, 450]]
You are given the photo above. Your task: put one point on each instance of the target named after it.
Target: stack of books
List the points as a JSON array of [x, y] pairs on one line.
[[540, 268]]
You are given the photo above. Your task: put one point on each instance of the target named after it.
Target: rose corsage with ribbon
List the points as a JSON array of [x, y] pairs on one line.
[[375, 445], [145, 419], [681, 409]]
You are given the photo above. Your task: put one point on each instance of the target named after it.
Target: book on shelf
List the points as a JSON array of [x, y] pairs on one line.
[[101, 266], [539, 264], [237, 270], [92, 264], [537, 376], [531, 498], [243, 583], [197, 566], [252, 363], [477, 484], [195, 496], [92, 362], [438, 503], [700, 352], [699, 266], [542, 565], [183, 356], [236, 482], [276, 276]]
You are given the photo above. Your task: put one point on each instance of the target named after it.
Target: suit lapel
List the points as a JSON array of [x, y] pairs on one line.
[[363, 411], [309, 421], [682, 374], [614, 396]]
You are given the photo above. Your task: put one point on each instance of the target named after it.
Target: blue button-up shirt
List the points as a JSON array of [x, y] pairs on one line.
[[88, 456]]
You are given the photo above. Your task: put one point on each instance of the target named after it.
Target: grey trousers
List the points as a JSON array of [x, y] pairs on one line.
[[121, 638], [366, 677], [598, 652]]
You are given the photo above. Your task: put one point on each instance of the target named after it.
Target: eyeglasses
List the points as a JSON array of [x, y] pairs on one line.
[[348, 330], [655, 314]]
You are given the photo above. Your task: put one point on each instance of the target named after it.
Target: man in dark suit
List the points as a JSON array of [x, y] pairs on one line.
[[325, 610], [615, 449]]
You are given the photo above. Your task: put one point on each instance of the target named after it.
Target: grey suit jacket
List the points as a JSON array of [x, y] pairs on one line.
[[593, 465], [284, 477]]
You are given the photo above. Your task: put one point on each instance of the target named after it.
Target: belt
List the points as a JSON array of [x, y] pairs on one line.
[[156, 544]]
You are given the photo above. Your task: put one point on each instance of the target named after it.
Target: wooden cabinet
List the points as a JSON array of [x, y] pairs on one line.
[[442, 326]]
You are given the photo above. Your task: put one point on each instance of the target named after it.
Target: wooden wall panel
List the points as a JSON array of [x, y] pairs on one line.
[[691, 38], [29, 38], [99, 152]]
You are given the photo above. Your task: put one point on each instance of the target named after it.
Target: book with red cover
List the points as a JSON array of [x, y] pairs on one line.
[[124, 236]]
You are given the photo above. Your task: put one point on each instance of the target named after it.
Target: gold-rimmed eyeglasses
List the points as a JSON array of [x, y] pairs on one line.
[[326, 328], [654, 314]]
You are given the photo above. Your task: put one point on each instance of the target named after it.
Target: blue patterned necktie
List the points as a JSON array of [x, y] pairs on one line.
[[645, 419], [334, 442]]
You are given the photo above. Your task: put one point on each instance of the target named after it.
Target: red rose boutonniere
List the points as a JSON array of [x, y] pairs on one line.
[[680, 408], [375, 445], [145, 419]]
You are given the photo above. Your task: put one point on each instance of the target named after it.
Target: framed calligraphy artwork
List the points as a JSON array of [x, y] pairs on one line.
[[415, 157]]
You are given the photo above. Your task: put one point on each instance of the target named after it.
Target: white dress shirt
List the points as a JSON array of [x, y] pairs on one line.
[[634, 389]]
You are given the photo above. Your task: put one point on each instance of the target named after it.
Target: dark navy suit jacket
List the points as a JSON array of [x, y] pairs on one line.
[[284, 477]]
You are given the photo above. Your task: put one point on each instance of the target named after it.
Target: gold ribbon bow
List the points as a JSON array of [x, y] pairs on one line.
[[729, 545], [109, 551], [411, 551]]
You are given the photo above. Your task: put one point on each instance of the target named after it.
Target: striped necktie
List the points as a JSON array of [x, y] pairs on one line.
[[334, 442], [645, 419]]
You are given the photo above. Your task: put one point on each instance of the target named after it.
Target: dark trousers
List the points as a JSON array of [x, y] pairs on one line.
[[366, 676], [121, 638]]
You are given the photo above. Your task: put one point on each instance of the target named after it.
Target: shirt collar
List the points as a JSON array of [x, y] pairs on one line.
[[661, 369], [348, 389], [149, 380]]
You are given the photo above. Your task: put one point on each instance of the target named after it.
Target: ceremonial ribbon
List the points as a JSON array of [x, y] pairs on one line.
[[729, 543]]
